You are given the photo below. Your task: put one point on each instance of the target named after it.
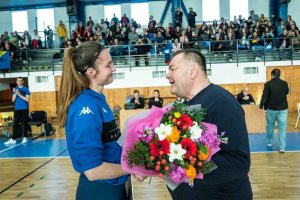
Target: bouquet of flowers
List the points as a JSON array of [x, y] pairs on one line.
[[172, 142]]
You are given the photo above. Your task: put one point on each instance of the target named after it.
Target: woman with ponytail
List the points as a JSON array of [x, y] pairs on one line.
[[91, 130]]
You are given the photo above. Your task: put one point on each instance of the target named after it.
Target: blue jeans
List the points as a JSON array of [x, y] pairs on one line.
[[281, 117]]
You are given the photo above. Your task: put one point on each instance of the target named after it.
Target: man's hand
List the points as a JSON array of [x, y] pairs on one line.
[[139, 178]]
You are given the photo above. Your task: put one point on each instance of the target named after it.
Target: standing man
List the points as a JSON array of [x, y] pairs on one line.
[[21, 99], [274, 100], [62, 33], [192, 18], [188, 78], [49, 34]]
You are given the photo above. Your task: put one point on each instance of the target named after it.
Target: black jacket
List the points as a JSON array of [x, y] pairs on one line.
[[141, 100], [274, 96], [158, 103], [243, 101]]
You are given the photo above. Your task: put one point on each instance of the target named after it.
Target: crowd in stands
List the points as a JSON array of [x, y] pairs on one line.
[[252, 33]]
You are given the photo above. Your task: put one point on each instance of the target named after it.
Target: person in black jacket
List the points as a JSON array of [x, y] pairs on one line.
[[156, 100], [274, 100], [137, 100], [192, 18], [188, 78], [245, 98]]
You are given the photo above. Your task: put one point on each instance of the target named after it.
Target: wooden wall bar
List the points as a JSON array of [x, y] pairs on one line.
[[45, 101]]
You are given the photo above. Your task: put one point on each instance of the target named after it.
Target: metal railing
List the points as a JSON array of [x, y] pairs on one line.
[[158, 54]]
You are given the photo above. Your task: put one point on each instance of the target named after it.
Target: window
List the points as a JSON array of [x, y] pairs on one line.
[[238, 7], [45, 17], [19, 21], [159, 74], [251, 70], [140, 13], [109, 12], [211, 10]]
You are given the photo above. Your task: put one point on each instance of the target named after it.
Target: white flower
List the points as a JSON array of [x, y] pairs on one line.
[[176, 152], [196, 131], [163, 131]]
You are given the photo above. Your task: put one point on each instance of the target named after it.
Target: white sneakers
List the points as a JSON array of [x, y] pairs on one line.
[[24, 140], [10, 141]]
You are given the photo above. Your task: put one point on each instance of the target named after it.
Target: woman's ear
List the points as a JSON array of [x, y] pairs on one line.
[[91, 73]]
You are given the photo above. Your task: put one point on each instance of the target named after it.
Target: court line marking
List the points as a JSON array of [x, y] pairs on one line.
[[16, 182]]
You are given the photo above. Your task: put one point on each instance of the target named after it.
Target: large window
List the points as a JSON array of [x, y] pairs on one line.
[[211, 10], [238, 7], [110, 10], [19, 21], [140, 13], [45, 17]]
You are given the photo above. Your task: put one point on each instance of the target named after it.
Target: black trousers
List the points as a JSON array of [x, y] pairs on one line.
[[20, 116]]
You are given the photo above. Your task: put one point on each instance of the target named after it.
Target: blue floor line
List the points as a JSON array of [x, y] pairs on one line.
[[45, 148]]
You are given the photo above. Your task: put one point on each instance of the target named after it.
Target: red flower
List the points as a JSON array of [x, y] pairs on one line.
[[185, 120], [157, 146], [189, 146]]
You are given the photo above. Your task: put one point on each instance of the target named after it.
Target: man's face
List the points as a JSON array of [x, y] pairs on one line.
[[178, 76], [20, 82]]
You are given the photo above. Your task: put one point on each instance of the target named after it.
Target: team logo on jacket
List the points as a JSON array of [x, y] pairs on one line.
[[86, 111]]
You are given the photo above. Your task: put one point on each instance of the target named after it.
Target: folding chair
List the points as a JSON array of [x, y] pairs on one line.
[[298, 108], [38, 118]]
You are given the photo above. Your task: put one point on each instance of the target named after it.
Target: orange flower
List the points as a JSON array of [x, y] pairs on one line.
[[191, 172], [174, 137], [204, 155]]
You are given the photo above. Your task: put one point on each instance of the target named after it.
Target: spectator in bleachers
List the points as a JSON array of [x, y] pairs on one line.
[[133, 23], [223, 25], [151, 25], [211, 33], [24, 53], [230, 45], [27, 39], [263, 20], [62, 33], [104, 26], [218, 45], [133, 36], [280, 28], [289, 22], [141, 52], [168, 35], [36, 40], [160, 41], [101, 40], [160, 28], [139, 29], [115, 19], [185, 43], [116, 50], [188, 32], [178, 17], [257, 46], [176, 45], [192, 18], [110, 38], [284, 45], [90, 22], [243, 40], [124, 20], [123, 38], [49, 37], [5, 36], [11, 49], [14, 40], [268, 38], [215, 25], [182, 37], [252, 19], [177, 33]]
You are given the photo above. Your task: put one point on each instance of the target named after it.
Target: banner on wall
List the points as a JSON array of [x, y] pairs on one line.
[[4, 60]]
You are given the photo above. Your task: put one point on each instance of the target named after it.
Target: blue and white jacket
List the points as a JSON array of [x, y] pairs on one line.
[[92, 134]]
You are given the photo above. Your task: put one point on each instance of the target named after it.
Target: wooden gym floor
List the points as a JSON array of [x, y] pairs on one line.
[[41, 169]]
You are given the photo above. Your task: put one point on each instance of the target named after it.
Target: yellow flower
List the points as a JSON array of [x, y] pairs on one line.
[[202, 155], [174, 137], [191, 172], [177, 115]]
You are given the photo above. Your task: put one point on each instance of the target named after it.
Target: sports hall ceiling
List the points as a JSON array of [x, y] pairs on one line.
[[28, 4]]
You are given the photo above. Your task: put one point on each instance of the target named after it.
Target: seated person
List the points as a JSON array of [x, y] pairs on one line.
[[137, 99], [156, 100], [245, 98]]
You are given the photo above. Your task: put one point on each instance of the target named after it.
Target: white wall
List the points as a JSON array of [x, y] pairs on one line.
[[225, 9], [5, 22], [260, 6], [96, 12], [293, 10], [41, 87]]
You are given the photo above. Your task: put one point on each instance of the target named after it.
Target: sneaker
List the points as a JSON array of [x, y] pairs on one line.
[[269, 145], [10, 141], [281, 151], [24, 140]]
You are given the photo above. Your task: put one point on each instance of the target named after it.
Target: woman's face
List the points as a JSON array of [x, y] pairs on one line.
[[156, 94], [104, 69]]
